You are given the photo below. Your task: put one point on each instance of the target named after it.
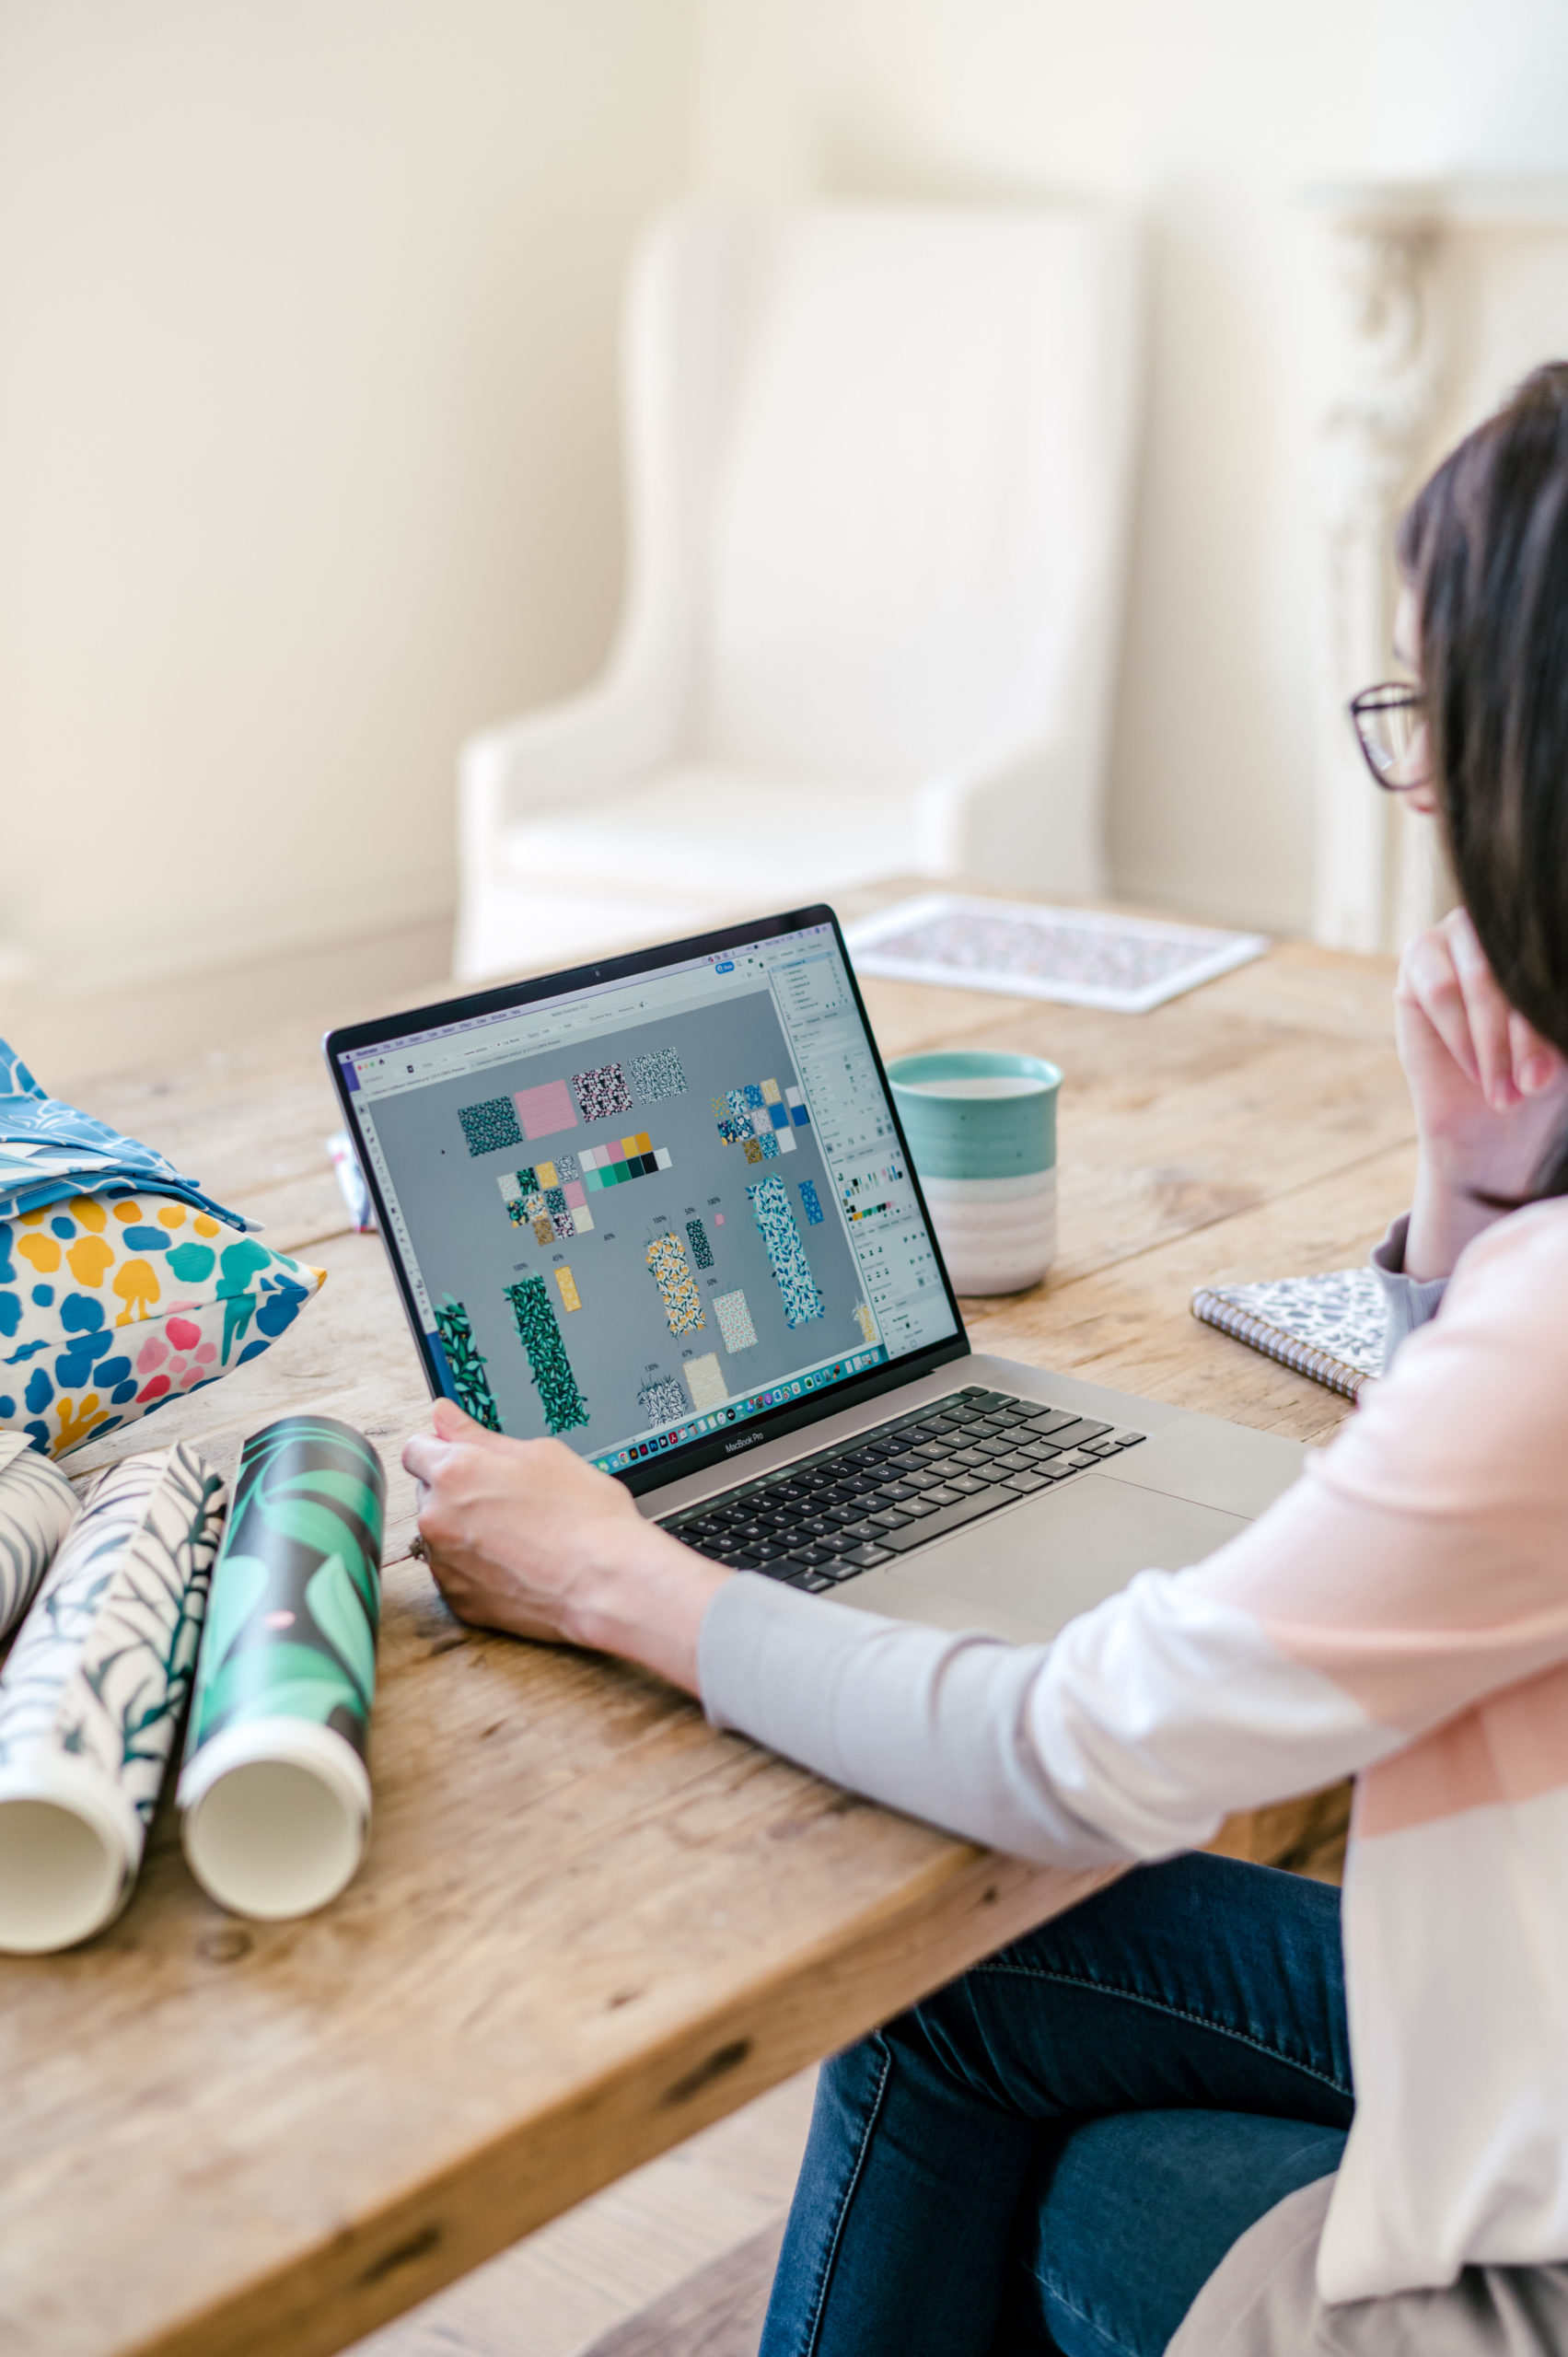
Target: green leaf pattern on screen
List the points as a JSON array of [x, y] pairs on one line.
[[297, 1591]]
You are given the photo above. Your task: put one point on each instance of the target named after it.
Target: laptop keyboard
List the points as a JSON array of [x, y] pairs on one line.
[[816, 1522]]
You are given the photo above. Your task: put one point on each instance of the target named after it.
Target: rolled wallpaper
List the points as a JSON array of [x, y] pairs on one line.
[[37, 1506], [91, 1695], [274, 1789]]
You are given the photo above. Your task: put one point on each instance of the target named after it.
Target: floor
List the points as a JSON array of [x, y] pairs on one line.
[[556, 2292]]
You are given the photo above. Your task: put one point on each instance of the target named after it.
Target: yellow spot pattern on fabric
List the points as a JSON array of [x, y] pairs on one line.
[[41, 1250], [136, 1283], [129, 1213], [77, 1419], [90, 1256], [172, 1216], [33, 1219], [206, 1227], [89, 1213]]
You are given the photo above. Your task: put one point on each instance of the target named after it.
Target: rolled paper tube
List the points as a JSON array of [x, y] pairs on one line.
[[275, 1791], [91, 1695], [37, 1506]]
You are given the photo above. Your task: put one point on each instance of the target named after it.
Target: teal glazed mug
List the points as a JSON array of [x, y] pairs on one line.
[[982, 1129]]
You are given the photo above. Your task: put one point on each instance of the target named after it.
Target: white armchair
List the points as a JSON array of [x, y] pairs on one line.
[[878, 468]]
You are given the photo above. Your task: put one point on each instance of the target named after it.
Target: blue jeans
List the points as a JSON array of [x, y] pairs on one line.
[[1053, 2153]]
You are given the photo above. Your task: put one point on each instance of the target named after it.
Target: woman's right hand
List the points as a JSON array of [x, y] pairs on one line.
[[1490, 1093]]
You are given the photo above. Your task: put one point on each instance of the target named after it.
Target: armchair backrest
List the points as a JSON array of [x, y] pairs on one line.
[[879, 466]]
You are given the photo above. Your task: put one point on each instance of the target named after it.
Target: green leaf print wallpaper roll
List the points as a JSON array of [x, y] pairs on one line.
[[274, 1792]]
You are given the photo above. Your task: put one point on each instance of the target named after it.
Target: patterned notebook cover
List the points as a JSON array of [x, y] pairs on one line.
[[1330, 1327]]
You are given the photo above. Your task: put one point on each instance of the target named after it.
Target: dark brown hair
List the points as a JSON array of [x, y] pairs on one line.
[[1484, 546]]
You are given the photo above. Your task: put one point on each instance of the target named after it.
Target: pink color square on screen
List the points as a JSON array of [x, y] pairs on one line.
[[574, 1194], [545, 1109], [718, 1219]]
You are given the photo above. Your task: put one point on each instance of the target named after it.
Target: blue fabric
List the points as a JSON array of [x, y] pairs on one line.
[[1055, 2153], [50, 1152]]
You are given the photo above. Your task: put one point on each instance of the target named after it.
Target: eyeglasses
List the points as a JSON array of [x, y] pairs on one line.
[[1389, 721]]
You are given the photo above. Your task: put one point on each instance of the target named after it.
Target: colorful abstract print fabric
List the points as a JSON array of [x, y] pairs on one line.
[[50, 1152], [786, 1253], [111, 1308]]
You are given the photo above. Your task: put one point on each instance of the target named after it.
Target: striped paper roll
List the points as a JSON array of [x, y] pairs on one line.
[[275, 1791], [91, 1695], [37, 1506]]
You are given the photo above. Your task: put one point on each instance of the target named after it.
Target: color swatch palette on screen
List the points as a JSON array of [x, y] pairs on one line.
[[612, 1165]]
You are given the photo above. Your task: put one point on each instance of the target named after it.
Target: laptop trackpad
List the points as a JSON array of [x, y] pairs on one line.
[[1042, 1563]]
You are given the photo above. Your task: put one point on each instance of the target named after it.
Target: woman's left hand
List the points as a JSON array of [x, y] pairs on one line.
[[522, 1535]]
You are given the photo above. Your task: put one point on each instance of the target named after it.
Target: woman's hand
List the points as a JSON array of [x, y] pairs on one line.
[[522, 1535], [1490, 1093]]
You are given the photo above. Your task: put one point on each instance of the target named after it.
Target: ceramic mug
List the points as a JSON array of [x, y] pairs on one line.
[[982, 1128]]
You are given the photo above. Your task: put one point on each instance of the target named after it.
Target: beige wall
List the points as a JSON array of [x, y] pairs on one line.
[[1211, 115], [308, 446], [308, 449]]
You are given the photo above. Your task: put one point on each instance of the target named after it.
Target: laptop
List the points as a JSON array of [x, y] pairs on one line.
[[661, 1207]]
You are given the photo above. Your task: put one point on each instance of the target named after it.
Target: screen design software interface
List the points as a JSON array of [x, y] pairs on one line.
[[655, 1207]]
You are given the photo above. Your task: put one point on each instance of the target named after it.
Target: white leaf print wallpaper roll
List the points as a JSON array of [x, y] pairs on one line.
[[91, 1696], [37, 1506]]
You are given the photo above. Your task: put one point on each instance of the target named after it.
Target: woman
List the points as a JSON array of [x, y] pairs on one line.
[[1138, 2129]]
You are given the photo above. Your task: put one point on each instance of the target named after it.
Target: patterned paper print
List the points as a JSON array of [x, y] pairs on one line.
[[542, 1230], [656, 1077], [672, 1274], [100, 1674], [787, 1254], [545, 1109], [552, 1370], [734, 1130], [769, 1092], [733, 1320], [702, 1250], [570, 1297], [705, 1380], [753, 1149], [297, 1591], [470, 1376], [490, 1126], [567, 1169], [866, 1323], [811, 1204], [602, 1092], [661, 1402], [37, 1506]]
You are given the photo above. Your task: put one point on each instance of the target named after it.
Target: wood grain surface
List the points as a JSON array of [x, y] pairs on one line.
[[588, 1924]]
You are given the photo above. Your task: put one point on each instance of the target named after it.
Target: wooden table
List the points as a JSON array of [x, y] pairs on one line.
[[588, 1924]]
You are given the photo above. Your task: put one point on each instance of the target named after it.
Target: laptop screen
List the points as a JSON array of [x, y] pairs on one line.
[[646, 1208]]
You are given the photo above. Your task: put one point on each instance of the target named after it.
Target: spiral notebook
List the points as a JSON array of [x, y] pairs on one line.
[[1330, 1327]]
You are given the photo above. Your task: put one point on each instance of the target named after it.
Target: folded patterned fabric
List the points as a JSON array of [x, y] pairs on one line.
[[49, 1152], [109, 1308]]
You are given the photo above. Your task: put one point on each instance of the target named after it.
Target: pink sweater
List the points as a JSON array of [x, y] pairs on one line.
[[1400, 1615]]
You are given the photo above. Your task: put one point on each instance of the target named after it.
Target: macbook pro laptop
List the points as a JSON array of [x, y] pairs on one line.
[[662, 1208]]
